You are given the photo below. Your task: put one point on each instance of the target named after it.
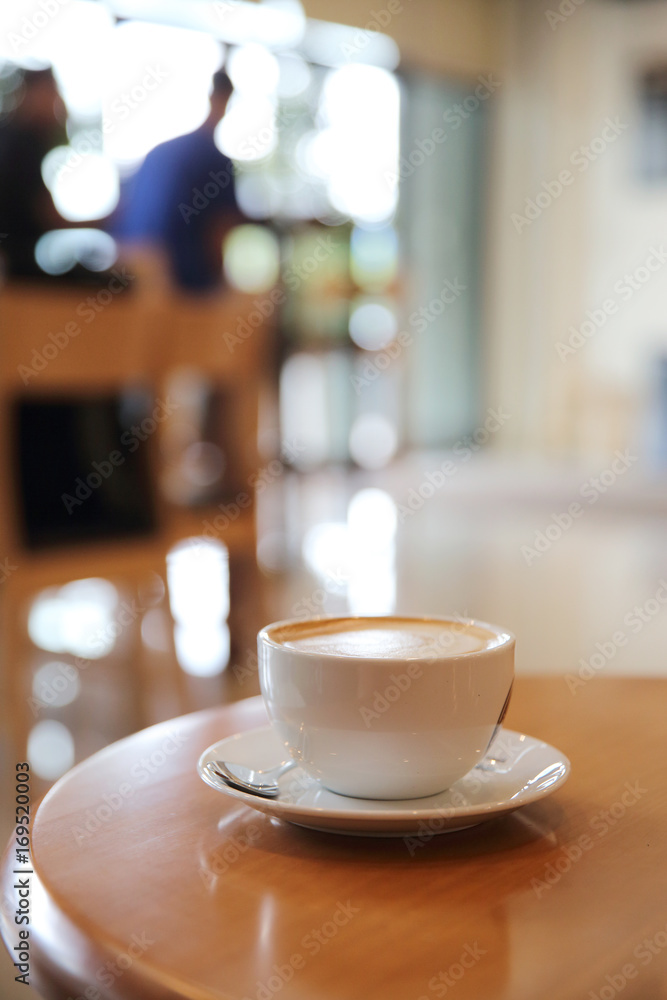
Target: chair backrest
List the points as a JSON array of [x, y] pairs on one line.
[[91, 343], [73, 340]]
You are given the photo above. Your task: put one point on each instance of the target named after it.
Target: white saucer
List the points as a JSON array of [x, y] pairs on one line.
[[526, 770]]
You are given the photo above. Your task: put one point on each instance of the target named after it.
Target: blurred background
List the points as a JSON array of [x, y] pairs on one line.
[[319, 307]]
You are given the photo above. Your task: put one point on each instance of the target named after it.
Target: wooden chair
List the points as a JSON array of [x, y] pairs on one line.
[[80, 343]]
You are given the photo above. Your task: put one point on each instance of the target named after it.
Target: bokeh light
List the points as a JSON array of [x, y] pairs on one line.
[[361, 106], [77, 618], [373, 325], [59, 250], [155, 630], [295, 75], [252, 258], [198, 585], [158, 82], [71, 37], [330, 44], [248, 131], [87, 29], [56, 684], [253, 70], [373, 441], [50, 749], [303, 408], [202, 651], [277, 24], [373, 257], [198, 581], [357, 557], [372, 519], [326, 551], [257, 195], [84, 186]]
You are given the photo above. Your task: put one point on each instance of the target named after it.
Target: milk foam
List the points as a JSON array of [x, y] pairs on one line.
[[391, 638]]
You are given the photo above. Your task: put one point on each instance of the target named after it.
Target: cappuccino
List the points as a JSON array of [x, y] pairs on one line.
[[385, 708], [388, 638]]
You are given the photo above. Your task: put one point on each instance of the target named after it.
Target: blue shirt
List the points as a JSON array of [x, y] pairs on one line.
[[176, 200]]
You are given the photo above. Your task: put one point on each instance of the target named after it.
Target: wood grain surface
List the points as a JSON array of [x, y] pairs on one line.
[[148, 884]]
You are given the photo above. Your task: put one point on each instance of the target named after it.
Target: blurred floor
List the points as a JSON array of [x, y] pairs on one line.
[[582, 587]]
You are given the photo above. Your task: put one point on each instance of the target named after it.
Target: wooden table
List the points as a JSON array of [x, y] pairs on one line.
[[148, 884]]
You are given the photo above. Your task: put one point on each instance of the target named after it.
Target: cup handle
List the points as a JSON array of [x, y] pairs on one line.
[[503, 713]]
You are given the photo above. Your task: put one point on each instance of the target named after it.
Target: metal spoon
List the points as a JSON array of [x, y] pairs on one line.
[[265, 783], [262, 783]]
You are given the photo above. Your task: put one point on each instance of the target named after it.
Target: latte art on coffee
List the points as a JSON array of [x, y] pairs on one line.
[[385, 706], [390, 638]]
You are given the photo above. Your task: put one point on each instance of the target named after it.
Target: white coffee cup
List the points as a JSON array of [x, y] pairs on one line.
[[386, 707]]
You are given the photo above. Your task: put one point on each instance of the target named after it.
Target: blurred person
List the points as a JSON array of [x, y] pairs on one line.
[[27, 134], [182, 200]]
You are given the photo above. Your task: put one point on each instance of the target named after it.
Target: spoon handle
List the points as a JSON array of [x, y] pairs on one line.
[[245, 779]]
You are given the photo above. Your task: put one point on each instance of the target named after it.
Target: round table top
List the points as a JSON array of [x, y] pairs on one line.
[[147, 883]]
